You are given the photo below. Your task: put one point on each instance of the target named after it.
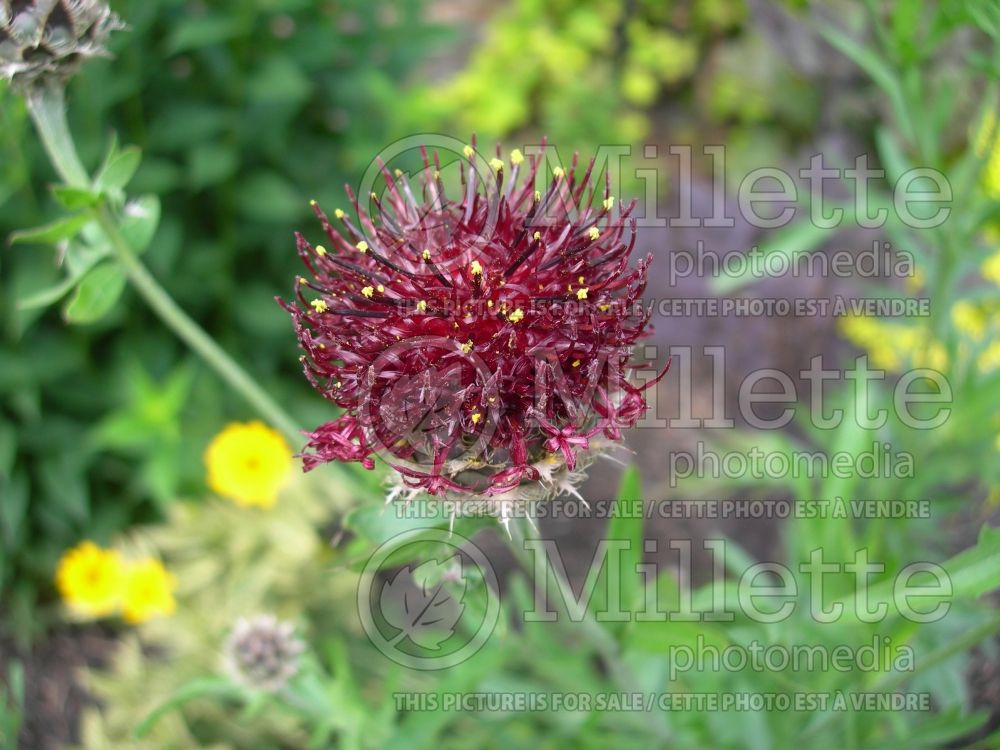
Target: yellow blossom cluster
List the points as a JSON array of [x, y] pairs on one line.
[[96, 582]]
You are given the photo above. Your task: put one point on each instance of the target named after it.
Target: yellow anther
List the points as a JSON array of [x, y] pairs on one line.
[[516, 316], [489, 303], [368, 291], [362, 246], [426, 255], [594, 233], [609, 203], [467, 347], [422, 306], [437, 174], [496, 164], [468, 151], [581, 293], [322, 346], [339, 213], [319, 305], [337, 384], [579, 279], [374, 196], [320, 250], [398, 172], [537, 235], [312, 203], [558, 172], [538, 195], [576, 363], [604, 308], [303, 280], [476, 416], [476, 268], [516, 157], [380, 288]]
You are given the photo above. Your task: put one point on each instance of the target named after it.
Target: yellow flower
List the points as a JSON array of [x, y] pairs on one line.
[[968, 319], [991, 268], [248, 463], [148, 592], [989, 360], [89, 579]]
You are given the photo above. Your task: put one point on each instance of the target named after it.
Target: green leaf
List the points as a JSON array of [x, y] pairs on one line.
[[626, 525], [119, 169], [204, 31], [140, 220], [49, 234], [96, 294], [207, 687], [76, 197], [47, 296], [793, 241]]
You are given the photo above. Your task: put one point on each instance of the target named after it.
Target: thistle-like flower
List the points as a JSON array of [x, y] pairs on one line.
[[480, 346], [262, 653], [48, 40]]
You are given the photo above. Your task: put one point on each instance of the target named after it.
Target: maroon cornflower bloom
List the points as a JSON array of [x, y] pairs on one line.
[[479, 345]]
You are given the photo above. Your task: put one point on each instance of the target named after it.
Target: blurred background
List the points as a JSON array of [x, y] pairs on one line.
[[246, 110]]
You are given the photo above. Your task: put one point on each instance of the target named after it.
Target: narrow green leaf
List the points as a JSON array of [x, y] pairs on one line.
[[142, 216], [96, 294], [793, 241], [61, 229], [75, 197], [626, 525], [119, 169], [209, 687]]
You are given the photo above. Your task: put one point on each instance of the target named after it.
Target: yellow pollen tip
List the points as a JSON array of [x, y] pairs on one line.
[[581, 293], [422, 306], [516, 316], [576, 363], [426, 255], [579, 279], [594, 233], [537, 235], [320, 250], [312, 203], [489, 303], [476, 416], [337, 384], [374, 196], [558, 172], [398, 172], [303, 280], [609, 203], [467, 347], [604, 308], [476, 268], [437, 174], [380, 289], [368, 291], [496, 164], [319, 305], [339, 213], [468, 151], [362, 246], [516, 157], [538, 195]]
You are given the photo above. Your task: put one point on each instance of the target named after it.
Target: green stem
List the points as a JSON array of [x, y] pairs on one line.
[[596, 636], [48, 110]]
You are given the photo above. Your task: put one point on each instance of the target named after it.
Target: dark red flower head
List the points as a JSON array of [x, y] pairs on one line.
[[480, 344]]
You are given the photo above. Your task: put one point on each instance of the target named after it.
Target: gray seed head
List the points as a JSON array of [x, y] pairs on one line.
[[262, 653], [48, 40]]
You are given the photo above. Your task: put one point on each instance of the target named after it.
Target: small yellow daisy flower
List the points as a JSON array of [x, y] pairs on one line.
[[89, 579], [148, 592], [248, 463]]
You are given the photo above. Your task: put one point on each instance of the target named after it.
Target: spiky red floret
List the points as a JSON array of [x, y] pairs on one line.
[[468, 339]]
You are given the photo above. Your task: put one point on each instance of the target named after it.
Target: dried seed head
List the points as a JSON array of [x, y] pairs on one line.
[[262, 652], [47, 40]]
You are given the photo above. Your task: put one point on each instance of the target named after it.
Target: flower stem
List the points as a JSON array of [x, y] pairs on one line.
[[47, 106]]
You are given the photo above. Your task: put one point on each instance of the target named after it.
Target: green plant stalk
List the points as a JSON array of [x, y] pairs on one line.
[[46, 104], [596, 636]]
